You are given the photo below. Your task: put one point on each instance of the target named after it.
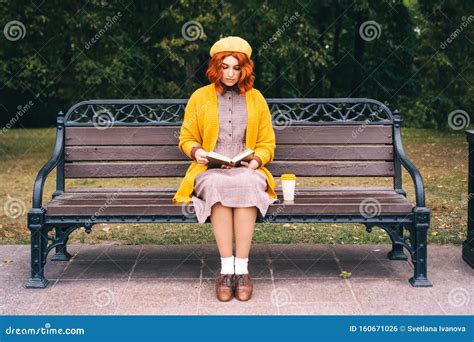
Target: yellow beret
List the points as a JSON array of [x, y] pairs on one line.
[[231, 43]]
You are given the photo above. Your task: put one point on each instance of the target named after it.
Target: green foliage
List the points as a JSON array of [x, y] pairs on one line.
[[74, 51]]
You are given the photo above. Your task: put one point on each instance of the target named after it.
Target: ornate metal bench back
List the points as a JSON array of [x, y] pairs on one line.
[[171, 111]]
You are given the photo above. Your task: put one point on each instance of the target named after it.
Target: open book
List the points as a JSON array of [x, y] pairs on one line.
[[216, 160]]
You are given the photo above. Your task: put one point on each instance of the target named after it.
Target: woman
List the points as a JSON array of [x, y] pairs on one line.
[[228, 116]]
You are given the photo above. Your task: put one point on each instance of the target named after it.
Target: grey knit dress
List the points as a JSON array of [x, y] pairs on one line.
[[236, 187]]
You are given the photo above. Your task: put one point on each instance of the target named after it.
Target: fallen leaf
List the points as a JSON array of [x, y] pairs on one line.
[[345, 275]]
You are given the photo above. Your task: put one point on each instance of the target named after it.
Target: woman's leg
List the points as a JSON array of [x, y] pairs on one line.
[[222, 226], [244, 224]]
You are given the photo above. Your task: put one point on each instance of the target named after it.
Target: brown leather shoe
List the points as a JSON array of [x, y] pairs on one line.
[[224, 287], [243, 286]]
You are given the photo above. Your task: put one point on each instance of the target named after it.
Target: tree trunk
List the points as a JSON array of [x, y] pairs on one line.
[[359, 45], [335, 50]]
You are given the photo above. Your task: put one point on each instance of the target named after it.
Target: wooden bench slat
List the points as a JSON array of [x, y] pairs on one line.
[[168, 135], [338, 209], [122, 136], [178, 169], [282, 152], [277, 189], [174, 209], [333, 152], [124, 170], [157, 196], [167, 200], [315, 200], [333, 134]]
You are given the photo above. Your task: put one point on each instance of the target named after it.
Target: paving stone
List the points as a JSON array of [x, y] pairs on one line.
[[296, 279]]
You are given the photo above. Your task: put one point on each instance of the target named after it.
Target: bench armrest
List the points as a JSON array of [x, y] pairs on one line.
[[407, 164], [50, 164]]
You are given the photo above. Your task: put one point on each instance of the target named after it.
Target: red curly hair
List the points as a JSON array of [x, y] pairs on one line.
[[247, 76]]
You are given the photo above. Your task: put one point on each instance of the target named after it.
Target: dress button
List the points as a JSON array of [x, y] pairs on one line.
[[230, 135], [230, 121]]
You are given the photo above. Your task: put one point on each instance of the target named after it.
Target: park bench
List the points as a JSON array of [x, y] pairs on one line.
[[314, 138]]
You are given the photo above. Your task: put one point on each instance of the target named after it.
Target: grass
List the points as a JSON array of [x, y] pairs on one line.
[[440, 156]]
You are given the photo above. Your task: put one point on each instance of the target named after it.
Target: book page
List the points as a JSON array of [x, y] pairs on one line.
[[242, 155], [216, 159], [219, 157]]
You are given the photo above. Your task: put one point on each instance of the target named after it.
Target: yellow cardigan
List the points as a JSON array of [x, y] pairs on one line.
[[201, 127]]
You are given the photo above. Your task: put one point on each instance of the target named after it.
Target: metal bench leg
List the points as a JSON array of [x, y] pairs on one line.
[[419, 245], [61, 251], [397, 250], [39, 243]]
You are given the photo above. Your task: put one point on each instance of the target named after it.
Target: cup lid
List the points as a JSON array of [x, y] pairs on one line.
[[288, 176]]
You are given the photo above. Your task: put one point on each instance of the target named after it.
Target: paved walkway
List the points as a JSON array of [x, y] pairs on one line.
[[288, 279]]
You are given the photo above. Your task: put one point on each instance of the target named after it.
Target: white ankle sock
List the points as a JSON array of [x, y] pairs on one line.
[[227, 265], [241, 265]]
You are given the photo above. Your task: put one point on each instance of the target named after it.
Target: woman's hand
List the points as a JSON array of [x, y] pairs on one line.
[[253, 164], [200, 156]]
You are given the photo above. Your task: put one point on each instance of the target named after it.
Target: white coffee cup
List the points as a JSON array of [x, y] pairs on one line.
[[288, 184]]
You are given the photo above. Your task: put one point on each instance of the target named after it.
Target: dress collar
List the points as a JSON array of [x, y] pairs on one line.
[[231, 90]]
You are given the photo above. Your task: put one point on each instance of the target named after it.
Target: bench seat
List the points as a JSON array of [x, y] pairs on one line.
[[157, 201]]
